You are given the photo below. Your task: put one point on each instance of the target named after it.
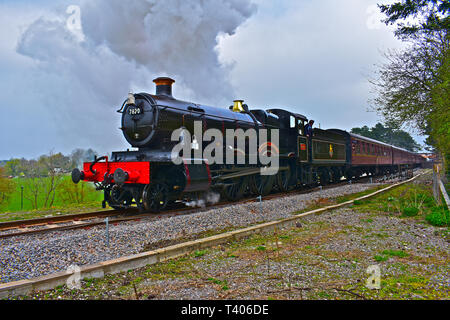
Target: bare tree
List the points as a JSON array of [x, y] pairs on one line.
[[33, 182], [54, 165], [6, 188]]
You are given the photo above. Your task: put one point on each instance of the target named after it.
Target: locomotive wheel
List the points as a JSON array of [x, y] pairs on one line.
[[283, 178], [155, 197], [236, 190], [261, 185], [118, 198]]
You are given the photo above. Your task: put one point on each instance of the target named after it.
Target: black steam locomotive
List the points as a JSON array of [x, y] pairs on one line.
[[149, 178]]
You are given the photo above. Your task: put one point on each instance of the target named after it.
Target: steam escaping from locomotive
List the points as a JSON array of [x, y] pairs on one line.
[[176, 37], [124, 45], [210, 198]]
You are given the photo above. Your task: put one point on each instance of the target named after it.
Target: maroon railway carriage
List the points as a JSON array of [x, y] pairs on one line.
[[370, 156]]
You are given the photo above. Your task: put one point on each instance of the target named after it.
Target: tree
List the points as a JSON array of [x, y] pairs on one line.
[[389, 135], [12, 167], [53, 164], [32, 182], [440, 119], [78, 156], [6, 188], [412, 87], [89, 155], [430, 16], [405, 84]]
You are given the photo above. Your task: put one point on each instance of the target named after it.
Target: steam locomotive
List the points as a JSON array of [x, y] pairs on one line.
[[149, 178]]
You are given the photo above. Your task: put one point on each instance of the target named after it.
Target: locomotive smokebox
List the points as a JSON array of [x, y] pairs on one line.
[[164, 86]]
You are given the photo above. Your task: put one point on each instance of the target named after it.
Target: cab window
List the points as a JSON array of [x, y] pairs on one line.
[[292, 120], [301, 127]]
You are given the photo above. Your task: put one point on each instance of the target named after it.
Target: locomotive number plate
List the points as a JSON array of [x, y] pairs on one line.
[[134, 111]]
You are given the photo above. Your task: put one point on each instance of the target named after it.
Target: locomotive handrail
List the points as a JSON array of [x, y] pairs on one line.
[[204, 112], [96, 160], [121, 108]]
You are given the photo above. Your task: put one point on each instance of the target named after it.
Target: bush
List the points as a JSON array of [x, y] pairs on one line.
[[71, 193], [410, 211], [7, 187], [438, 217], [428, 201]]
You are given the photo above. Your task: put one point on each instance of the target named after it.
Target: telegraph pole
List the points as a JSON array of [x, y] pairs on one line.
[[21, 197]]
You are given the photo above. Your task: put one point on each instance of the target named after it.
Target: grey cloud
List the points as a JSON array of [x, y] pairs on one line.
[[80, 85]]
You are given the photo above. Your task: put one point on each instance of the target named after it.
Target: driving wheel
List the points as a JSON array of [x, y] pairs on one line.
[[155, 196]]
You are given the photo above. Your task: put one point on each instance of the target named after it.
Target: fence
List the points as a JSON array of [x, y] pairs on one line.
[[438, 186]]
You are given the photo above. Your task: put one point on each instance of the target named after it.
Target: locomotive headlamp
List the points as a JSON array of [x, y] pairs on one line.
[[131, 99]]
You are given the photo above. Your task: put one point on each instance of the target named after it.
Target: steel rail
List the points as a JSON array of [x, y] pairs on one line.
[[49, 222]]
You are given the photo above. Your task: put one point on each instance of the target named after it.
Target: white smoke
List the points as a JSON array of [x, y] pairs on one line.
[[210, 198], [124, 45], [125, 42], [175, 37]]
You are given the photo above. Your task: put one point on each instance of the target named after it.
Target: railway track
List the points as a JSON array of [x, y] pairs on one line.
[[129, 262], [92, 219]]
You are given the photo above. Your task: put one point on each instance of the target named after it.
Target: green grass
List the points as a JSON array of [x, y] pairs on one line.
[[92, 198], [338, 200], [409, 201], [380, 258], [410, 211], [199, 253], [395, 253], [386, 254], [439, 217]]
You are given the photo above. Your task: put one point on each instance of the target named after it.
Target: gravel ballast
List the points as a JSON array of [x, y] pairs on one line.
[[25, 257]]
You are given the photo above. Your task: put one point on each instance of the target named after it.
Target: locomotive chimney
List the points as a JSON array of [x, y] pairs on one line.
[[164, 86]]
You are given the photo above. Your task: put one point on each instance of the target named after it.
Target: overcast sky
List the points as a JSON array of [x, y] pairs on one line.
[[61, 86]]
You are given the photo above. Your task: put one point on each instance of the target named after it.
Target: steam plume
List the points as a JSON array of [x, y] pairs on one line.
[[124, 45]]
